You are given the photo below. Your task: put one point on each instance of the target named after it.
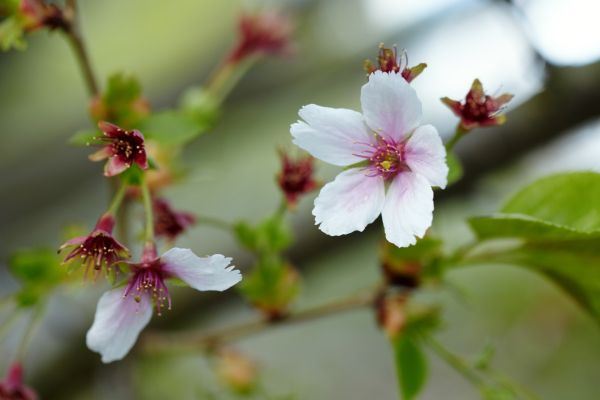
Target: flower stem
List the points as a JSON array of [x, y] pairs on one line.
[[215, 222], [35, 320], [186, 341], [458, 134], [147, 200], [81, 54], [455, 362], [117, 199], [226, 77]]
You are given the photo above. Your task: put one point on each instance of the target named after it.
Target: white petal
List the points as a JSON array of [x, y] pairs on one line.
[[426, 155], [117, 324], [333, 135], [390, 105], [201, 273], [408, 209], [349, 203]]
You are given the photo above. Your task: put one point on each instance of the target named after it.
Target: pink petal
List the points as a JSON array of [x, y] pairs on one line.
[[101, 154], [201, 273], [117, 324], [426, 155], [408, 209], [114, 166], [349, 203], [334, 135], [111, 130], [390, 105]]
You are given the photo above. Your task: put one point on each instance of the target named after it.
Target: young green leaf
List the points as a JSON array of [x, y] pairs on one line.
[[411, 365], [170, 128]]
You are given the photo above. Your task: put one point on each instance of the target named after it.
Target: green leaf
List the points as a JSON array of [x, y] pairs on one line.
[[572, 265], [11, 35], [411, 365], [455, 169], [121, 90], [571, 200], [35, 266], [85, 137], [170, 128], [525, 227], [271, 236], [557, 219]]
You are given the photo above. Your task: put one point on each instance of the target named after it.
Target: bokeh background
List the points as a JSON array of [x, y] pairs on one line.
[[546, 52]]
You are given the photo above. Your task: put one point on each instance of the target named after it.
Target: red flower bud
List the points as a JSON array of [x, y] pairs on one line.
[[296, 177], [262, 33], [478, 109], [12, 387], [168, 222], [36, 14], [389, 61]]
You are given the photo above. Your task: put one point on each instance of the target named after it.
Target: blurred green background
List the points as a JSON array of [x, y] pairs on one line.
[[545, 52]]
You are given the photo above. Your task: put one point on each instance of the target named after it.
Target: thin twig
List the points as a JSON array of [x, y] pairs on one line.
[[200, 340], [78, 45]]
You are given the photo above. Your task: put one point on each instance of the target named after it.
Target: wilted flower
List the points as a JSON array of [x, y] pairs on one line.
[[123, 313], [99, 248], [262, 33], [12, 387], [236, 371], [36, 14], [389, 61], [123, 148], [296, 177], [384, 148], [391, 313], [168, 222], [478, 109]]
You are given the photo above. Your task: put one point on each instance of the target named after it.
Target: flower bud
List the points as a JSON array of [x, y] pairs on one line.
[[263, 33], [478, 109], [389, 61], [168, 222], [296, 177], [12, 387]]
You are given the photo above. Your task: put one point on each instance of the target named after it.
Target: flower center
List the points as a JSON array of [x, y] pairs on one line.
[[386, 158], [148, 280]]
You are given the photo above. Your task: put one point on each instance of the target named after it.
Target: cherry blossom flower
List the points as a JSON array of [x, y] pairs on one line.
[[99, 248], [389, 61], [262, 33], [169, 222], [478, 109], [392, 162], [296, 177], [122, 313], [12, 387], [123, 149]]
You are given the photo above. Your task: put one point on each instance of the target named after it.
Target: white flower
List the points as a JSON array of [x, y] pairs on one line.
[[398, 161], [122, 313]]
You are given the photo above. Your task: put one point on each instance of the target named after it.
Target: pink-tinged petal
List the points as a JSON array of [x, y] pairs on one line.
[[390, 105], [117, 324], [408, 209], [111, 130], [334, 135], [201, 273], [425, 154], [76, 241], [114, 166], [349, 203], [101, 154]]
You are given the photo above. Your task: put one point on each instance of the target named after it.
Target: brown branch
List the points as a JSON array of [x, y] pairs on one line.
[[74, 37], [201, 340]]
